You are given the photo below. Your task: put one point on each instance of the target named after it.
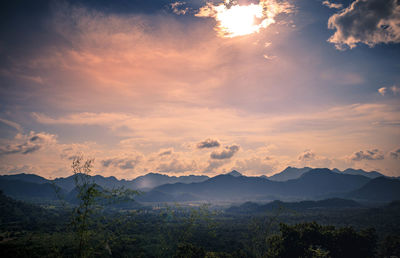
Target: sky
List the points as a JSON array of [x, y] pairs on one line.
[[198, 86]]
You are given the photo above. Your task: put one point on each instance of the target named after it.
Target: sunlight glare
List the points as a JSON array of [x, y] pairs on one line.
[[238, 20]]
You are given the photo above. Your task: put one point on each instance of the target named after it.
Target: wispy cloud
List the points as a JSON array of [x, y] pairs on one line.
[[12, 124], [122, 163], [179, 8], [332, 5]]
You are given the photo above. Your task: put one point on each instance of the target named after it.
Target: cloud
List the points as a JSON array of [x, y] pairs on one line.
[[395, 154], [177, 166], [85, 118], [165, 153], [332, 5], [382, 91], [122, 163], [27, 144], [307, 155], [213, 165], [253, 17], [374, 154], [227, 153], [208, 143], [255, 166], [366, 21], [179, 8], [395, 89], [11, 124]]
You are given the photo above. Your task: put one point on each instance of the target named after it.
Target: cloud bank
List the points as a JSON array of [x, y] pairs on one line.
[[374, 154], [27, 144]]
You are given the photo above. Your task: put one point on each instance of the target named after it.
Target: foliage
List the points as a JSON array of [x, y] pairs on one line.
[[91, 199], [314, 240]]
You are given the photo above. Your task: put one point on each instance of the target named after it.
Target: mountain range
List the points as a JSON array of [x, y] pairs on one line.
[[294, 173], [291, 184]]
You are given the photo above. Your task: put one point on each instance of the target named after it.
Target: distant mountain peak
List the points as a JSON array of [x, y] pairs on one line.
[[289, 173], [234, 173]]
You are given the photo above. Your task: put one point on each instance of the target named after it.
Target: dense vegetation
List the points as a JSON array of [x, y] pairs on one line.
[[176, 231], [93, 221]]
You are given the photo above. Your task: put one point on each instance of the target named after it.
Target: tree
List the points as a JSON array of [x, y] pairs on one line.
[[314, 240], [91, 200]]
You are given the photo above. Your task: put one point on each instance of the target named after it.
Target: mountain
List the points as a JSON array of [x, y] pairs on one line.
[[31, 178], [372, 174], [234, 173], [380, 189], [289, 173], [293, 173], [251, 208], [152, 180], [68, 183], [13, 212], [145, 182], [28, 191], [313, 184], [323, 182]]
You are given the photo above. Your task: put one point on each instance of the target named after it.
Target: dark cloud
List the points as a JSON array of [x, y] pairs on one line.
[[227, 153], [27, 143], [395, 154], [374, 154], [366, 21], [122, 163], [208, 143], [165, 153]]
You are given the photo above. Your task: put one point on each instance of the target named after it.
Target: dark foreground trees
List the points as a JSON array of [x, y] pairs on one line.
[[314, 240]]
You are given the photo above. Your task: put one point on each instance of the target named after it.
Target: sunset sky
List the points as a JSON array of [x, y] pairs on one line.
[[199, 87]]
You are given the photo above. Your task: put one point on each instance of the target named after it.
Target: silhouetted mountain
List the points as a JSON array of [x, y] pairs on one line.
[[380, 189], [22, 190], [111, 182], [315, 183], [251, 208], [234, 173], [145, 182], [289, 173], [372, 174], [322, 181], [31, 178], [152, 180]]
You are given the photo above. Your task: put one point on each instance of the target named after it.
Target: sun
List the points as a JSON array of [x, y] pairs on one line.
[[239, 20]]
